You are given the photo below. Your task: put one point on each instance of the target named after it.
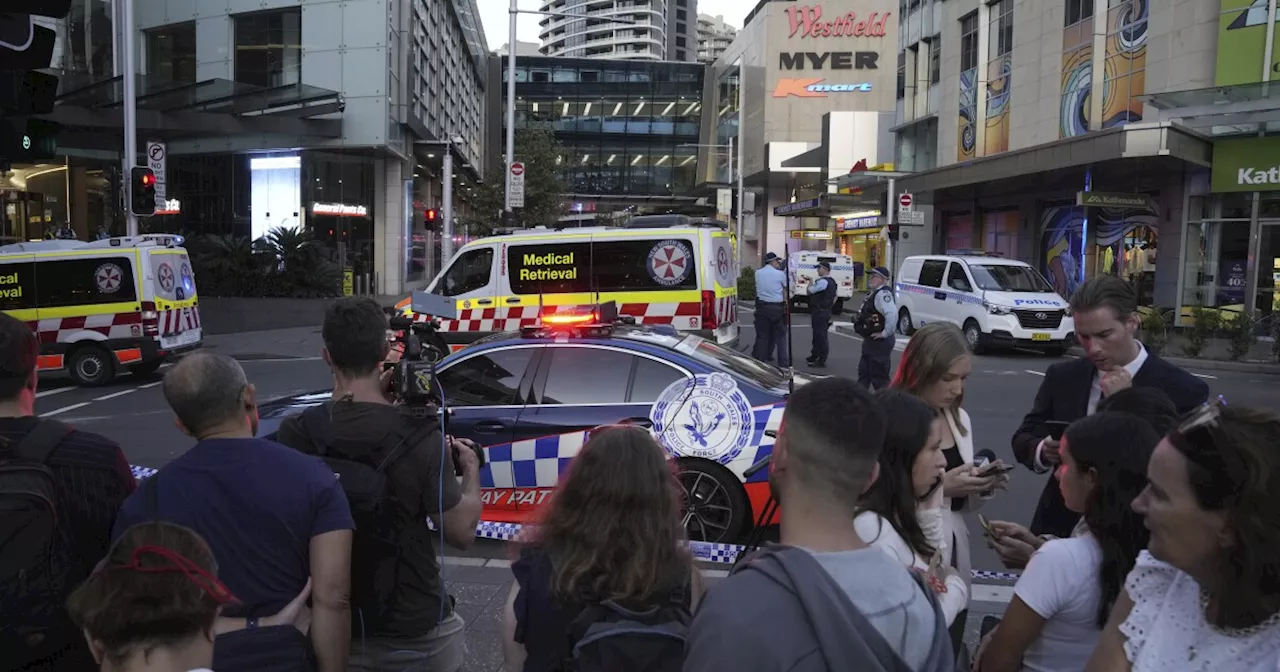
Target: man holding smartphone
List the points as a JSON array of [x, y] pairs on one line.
[[1105, 310]]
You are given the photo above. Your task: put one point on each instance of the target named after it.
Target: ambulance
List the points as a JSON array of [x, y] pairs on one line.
[[100, 308], [802, 271], [681, 275]]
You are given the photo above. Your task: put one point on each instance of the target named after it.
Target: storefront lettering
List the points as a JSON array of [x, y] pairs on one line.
[[514, 497], [807, 21], [814, 88], [339, 210], [839, 60], [1252, 175], [10, 287], [544, 260]]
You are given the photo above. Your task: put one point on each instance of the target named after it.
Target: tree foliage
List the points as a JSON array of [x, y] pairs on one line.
[[543, 189]]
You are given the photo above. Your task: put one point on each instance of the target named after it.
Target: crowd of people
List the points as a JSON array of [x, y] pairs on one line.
[[1157, 548]]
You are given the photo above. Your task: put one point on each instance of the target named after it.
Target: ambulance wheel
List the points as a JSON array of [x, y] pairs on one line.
[[91, 366], [714, 505], [144, 370], [973, 334], [904, 322]]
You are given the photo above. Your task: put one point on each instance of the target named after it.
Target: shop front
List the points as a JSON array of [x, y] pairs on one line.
[[860, 239]]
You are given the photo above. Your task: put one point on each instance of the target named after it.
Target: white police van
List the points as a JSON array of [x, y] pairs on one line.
[[997, 302], [802, 271]]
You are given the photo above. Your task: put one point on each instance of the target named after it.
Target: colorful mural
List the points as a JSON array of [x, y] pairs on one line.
[[1062, 228], [1077, 78], [967, 140], [999, 78], [1124, 71]]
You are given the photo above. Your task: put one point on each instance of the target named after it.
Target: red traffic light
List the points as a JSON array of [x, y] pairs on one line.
[[431, 215], [148, 179]]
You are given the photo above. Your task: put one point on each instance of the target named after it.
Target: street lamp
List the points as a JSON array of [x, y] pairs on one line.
[[733, 169], [512, 11]]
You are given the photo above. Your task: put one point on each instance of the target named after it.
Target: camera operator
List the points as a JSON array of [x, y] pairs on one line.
[[401, 617]]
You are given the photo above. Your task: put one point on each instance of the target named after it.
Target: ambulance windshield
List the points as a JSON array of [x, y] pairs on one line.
[[766, 376]]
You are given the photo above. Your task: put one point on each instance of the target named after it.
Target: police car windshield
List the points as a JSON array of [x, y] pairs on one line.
[[765, 376], [1008, 278]]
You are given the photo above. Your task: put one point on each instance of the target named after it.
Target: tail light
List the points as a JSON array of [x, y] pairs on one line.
[[150, 319], [709, 319]]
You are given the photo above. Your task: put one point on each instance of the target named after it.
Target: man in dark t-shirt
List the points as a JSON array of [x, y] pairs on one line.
[[410, 625], [272, 516], [91, 479]]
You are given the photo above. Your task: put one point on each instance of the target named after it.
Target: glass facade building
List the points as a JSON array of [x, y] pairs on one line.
[[627, 128]]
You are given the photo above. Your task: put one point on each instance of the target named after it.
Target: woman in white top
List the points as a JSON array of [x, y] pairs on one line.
[[901, 513], [934, 366], [1206, 595], [1063, 598]]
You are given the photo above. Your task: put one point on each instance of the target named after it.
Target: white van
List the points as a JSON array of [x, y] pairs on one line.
[[802, 271], [676, 274], [997, 302]]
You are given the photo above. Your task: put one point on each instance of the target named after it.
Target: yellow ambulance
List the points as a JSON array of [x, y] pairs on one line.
[[102, 307], [666, 270]]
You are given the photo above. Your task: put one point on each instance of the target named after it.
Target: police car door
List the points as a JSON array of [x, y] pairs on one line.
[[485, 392]]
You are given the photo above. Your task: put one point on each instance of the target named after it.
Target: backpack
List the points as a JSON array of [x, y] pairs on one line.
[[28, 500], [607, 637], [375, 546]]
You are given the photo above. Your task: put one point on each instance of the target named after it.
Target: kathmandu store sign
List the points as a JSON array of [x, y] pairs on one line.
[[815, 88], [806, 21], [1246, 164]]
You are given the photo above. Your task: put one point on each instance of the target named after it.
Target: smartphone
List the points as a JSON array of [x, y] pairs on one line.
[[989, 623], [996, 466], [1056, 428], [986, 527]]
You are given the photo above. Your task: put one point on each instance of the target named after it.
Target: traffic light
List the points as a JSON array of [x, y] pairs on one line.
[[142, 192], [894, 233], [23, 44], [432, 219]]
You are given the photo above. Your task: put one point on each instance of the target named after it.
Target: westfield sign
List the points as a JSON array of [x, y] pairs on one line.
[[806, 21]]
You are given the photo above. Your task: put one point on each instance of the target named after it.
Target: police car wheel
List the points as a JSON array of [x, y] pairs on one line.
[[714, 505], [904, 322], [973, 334], [91, 366]]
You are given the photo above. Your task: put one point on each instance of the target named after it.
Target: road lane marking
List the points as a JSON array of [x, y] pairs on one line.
[[280, 359], [1035, 373], [64, 409], [47, 393], [1204, 375], [143, 387], [987, 593], [113, 395]]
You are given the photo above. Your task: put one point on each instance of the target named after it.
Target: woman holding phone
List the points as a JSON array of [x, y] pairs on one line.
[[934, 367]]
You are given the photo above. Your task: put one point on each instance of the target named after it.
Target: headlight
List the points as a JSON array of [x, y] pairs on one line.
[[998, 310]]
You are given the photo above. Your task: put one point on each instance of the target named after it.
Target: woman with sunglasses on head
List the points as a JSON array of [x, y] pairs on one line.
[[1062, 600], [612, 531], [1206, 594], [902, 512]]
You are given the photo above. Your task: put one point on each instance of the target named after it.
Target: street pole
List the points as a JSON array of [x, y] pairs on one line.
[[130, 153], [741, 202], [511, 111], [446, 237], [891, 205]]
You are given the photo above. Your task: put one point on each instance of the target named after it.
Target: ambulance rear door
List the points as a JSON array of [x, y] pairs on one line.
[[471, 280], [721, 271], [171, 288]]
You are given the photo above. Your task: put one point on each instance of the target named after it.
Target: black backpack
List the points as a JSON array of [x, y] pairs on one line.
[[28, 500], [607, 637], [375, 546]]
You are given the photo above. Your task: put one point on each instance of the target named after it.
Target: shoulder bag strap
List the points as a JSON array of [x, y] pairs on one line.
[[41, 440], [403, 443]]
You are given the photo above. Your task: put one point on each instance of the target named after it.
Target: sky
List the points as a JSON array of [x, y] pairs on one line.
[[493, 13]]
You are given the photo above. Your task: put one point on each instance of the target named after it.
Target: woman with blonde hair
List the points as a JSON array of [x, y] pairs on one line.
[[934, 366]]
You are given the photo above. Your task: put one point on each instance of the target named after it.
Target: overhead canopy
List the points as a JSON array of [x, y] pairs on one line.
[[1221, 110], [171, 110]]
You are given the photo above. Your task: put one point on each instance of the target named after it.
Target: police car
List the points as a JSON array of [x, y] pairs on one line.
[[530, 396]]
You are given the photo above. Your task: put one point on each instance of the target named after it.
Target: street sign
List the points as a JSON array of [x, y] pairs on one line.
[[517, 184], [905, 201], [911, 218], [1109, 199], [157, 153]]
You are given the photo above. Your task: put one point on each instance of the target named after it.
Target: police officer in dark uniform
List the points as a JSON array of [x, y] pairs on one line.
[[822, 296], [875, 323]]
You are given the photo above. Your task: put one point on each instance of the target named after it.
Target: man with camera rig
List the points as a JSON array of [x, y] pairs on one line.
[[392, 460], [875, 323]]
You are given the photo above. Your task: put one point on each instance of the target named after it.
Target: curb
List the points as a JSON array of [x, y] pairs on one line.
[[1246, 366]]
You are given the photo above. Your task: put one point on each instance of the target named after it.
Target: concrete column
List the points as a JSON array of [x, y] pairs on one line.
[[389, 225], [78, 203], [1170, 217]]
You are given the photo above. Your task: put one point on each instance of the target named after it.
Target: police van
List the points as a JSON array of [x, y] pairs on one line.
[[802, 271], [682, 275], [102, 307], [997, 302]]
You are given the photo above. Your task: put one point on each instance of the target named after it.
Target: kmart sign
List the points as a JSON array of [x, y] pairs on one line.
[[1246, 164]]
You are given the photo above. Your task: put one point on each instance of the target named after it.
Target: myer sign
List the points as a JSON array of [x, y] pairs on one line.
[[1246, 164]]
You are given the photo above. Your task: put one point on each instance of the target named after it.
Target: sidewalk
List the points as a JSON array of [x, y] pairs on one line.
[[292, 343]]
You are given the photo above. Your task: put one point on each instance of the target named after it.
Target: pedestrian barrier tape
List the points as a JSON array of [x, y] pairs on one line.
[[702, 551]]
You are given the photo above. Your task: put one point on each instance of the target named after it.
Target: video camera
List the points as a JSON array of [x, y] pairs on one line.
[[413, 379]]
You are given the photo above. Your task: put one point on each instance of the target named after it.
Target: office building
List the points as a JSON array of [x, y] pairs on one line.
[[714, 36], [344, 138], [653, 30]]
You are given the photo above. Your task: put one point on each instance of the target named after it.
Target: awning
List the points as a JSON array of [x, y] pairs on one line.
[[172, 110], [1133, 141], [826, 205], [1220, 110]]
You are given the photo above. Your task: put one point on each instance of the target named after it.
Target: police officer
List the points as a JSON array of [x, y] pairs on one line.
[[877, 344], [822, 296], [771, 312]]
